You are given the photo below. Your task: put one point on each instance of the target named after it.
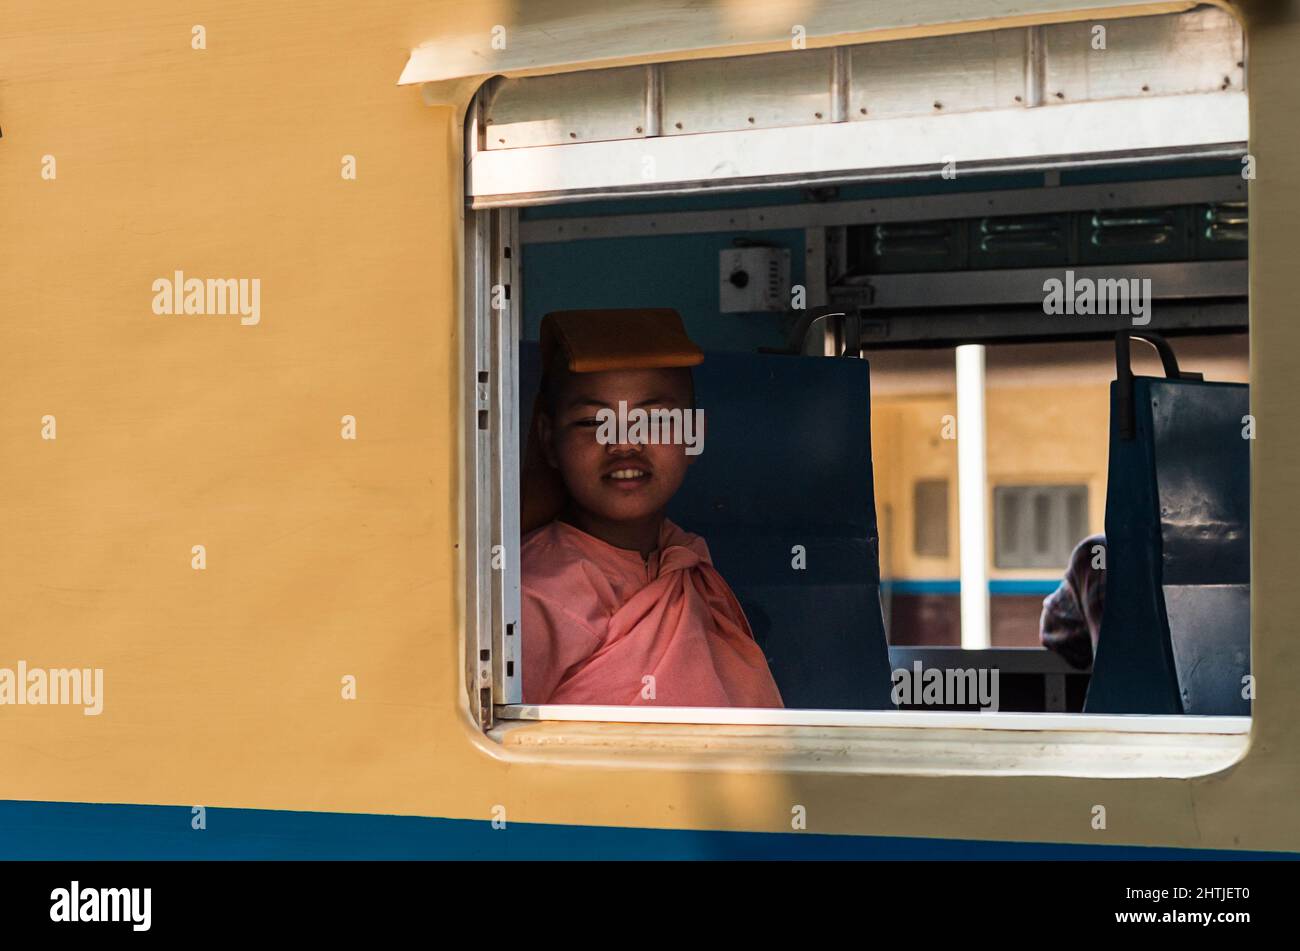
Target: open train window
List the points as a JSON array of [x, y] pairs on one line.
[[949, 249]]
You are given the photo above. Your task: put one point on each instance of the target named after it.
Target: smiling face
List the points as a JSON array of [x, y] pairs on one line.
[[614, 483]]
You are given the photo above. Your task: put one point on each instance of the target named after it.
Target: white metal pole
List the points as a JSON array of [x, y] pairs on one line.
[[972, 498]]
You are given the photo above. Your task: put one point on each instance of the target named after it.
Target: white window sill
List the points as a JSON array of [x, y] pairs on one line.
[[875, 742]]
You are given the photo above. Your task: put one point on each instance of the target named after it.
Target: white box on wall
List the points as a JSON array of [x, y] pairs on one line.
[[754, 279]]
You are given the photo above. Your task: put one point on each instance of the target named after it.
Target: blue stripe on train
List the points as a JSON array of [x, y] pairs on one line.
[[1028, 586], [88, 831]]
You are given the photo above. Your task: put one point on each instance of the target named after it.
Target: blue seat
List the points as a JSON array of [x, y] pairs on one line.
[[787, 462], [1175, 632]]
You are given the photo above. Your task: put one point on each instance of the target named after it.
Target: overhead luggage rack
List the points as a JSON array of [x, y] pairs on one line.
[[924, 281]]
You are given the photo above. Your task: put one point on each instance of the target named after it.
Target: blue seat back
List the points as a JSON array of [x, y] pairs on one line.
[[1175, 634], [786, 467]]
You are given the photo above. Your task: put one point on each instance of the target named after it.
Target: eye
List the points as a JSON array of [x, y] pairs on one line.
[[587, 423]]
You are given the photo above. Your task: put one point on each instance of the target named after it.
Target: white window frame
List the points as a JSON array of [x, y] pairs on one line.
[[493, 237]]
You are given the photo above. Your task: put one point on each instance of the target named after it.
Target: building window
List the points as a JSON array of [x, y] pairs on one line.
[[930, 518], [1037, 526]]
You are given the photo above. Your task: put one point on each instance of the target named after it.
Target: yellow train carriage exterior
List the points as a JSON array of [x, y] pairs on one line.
[[279, 610]]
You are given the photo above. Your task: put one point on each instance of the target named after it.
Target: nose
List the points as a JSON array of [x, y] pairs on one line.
[[631, 447], [624, 449]]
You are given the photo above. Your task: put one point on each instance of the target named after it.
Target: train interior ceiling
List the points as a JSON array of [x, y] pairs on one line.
[[857, 331]]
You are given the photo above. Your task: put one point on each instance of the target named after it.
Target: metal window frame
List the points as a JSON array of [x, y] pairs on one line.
[[491, 451], [850, 142], [936, 719], [890, 149], [492, 448]]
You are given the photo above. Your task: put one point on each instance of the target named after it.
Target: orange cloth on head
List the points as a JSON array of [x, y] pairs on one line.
[[592, 341], [597, 619]]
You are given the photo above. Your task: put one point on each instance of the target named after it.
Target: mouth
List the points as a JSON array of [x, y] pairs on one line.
[[627, 477]]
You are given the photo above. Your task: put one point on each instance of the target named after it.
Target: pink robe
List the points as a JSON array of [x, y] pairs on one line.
[[598, 619]]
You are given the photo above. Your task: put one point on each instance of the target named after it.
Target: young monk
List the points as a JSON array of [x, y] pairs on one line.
[[620, 606]]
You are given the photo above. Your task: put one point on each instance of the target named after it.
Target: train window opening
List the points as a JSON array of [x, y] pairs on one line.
[[857, 326]]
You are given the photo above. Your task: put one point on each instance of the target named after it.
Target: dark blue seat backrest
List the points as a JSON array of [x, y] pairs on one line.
[[1175, 634], [786, 463]]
